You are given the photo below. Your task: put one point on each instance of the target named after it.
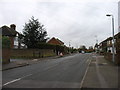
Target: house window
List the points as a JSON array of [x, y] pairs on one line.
[[16, 42]]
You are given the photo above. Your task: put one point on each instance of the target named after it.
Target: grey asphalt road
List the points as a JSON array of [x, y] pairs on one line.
[[65, 72]]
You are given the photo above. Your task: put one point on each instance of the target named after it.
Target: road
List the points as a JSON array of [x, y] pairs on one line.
[[65, 72]]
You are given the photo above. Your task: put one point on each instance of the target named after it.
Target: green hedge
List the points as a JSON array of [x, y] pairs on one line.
[[48, 46], [45, 46], [5, 42], [51, 46]]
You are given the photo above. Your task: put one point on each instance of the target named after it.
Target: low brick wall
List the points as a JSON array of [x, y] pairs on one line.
[[109, 56], [6, 55], [118, 57], [31, 53]]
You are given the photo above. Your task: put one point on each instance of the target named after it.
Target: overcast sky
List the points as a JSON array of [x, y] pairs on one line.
[[74, 21]]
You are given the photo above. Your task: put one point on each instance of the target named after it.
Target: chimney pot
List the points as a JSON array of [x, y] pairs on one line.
[[13, 26]]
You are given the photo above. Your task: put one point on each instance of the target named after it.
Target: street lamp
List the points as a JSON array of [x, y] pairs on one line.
[[113, 35]]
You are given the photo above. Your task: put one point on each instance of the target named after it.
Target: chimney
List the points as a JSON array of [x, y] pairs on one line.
[[13, 26]]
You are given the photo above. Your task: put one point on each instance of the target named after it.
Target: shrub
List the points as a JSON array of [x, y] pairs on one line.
[[45, 46], [5, 42]]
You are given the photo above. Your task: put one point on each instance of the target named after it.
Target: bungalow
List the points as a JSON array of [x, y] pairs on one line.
[[55, 41]]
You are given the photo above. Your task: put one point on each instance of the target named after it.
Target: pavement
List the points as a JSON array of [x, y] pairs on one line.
[[101, 73], [15, 63]]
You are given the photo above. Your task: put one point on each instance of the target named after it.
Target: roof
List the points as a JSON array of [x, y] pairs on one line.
[[96, 45], [6, 31], [55, 41], [110, 38], [117, 35], [60, 41]]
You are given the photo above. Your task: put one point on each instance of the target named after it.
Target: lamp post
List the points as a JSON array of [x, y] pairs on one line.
[[113, 45]]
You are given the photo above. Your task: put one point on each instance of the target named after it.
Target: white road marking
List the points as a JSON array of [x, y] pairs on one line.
[[84, 75], [87, 61], [16, 80], [26, 76], [11, 82]]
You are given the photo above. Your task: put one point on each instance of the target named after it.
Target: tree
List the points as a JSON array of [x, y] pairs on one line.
[[83, 47], [91, 47], [34, 33]]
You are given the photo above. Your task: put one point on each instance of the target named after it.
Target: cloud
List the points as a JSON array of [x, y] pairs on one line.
[[77, 21]]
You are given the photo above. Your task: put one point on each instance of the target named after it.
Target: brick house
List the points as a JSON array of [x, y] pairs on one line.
[[109, 45], [117, 41], [107, 48], [117, 45], [10, 32], [55, 41], [103, 46]]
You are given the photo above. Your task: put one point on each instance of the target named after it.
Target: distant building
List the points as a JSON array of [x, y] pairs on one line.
[[55, 41], [103, 46], [109, 45], [96, 47]]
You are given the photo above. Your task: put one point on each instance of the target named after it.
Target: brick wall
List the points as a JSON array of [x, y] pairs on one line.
[[6, 55], [31, 53]]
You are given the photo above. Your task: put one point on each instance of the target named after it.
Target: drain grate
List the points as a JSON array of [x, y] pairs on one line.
[[101, 64]]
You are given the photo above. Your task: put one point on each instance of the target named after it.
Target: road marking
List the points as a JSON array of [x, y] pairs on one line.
[[87, 61], [16, 80], [11, 82], [26, 76], [84, 75]]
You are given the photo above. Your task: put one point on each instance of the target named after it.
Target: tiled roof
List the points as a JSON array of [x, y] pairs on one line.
[[55, 41], [6, 31], [60, 41]]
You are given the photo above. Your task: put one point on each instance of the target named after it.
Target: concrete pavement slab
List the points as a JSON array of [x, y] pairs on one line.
[[101, 74]]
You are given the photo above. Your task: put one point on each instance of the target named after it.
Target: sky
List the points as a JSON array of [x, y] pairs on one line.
[[78, 22]]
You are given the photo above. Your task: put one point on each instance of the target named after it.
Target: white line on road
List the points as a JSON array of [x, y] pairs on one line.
[[11, 82], [16, 80], [26, 76], [84, 75], [87, 61]]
